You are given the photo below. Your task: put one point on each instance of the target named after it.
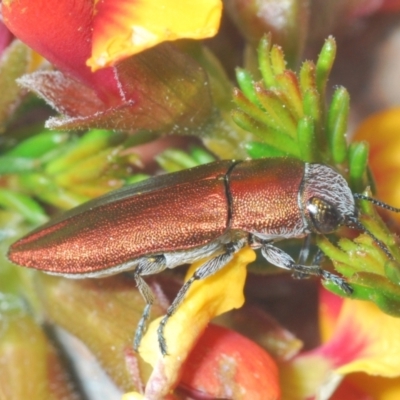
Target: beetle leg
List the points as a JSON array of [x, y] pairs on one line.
[[278, 257], [304, 253], [207, 269], [305, 250], [319, 256], [147, 266]]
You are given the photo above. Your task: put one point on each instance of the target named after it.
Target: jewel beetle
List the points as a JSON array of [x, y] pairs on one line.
[[208, 211]]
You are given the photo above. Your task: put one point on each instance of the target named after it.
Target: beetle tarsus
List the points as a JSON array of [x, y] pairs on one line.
[[279, 258], [160, 334], [141, 327], [148, 265], [207, 269], [338, 281]]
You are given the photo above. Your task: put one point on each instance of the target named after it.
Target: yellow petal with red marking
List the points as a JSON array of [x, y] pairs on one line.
[[122, 28], [371, 339]]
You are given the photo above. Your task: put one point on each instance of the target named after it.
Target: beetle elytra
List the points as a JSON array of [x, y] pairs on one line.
[[211, 210]]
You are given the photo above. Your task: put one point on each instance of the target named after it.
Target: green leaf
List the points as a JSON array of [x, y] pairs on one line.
[[275, 139], [15, 62], [358, 163], [246, 84], [288, 84], [324, 65], [306, 140], [172, 160], [38, 145], [16, 165], [201, 156], [264, 61], [91, 143], [23, 205], [337, 124], [279, 117], [261, 150]]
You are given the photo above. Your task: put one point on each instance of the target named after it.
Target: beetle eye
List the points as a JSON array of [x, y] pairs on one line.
[[324, 216]]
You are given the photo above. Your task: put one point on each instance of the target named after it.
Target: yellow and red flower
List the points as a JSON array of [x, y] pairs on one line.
[[133, 94], [361, 344]]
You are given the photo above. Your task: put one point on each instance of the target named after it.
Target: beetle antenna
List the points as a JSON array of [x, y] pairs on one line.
[[378, 203], [353, 222]]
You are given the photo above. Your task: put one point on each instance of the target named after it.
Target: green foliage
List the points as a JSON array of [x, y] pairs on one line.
[[172, 160], [288, 113]]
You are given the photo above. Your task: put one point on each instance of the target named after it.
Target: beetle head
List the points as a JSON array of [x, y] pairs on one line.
[[328, 203]]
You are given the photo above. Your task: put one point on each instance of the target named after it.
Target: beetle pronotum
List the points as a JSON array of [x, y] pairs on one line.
[[211, 210]]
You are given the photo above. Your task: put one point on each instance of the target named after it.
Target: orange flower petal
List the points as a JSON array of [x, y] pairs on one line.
[[379, 388], [122, 28], [205, 300], [381, 130]]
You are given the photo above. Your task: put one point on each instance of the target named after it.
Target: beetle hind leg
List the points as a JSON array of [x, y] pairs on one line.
[[207, 269], [146, 266]]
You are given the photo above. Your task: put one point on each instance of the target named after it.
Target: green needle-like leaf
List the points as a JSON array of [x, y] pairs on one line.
[[277, 59], [324, 65], [175, 160], [23, 205], [94, 141], [306, 140], [358, 162], [246, 84], [337, 124], [251, 109], [264, 61], [261, 150], [307, 77], [276, 139], [279, 115], [38, 145], [288, 84]]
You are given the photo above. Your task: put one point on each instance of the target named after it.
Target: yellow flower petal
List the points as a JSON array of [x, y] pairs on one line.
[[133, 396], [122, 28], [302, 377], [205, 300]]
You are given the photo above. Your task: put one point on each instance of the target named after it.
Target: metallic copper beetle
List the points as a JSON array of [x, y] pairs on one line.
[[211, 210]]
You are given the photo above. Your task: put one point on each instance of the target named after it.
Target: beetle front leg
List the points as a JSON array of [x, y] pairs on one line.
[[147, 266], [303, 256], [278, 257], [207, 269]]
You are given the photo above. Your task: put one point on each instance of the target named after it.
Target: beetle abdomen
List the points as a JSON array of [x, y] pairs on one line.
[[189, 213]]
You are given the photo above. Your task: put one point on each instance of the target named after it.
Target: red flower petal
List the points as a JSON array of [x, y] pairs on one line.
[[61, 31], [225, 364]]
